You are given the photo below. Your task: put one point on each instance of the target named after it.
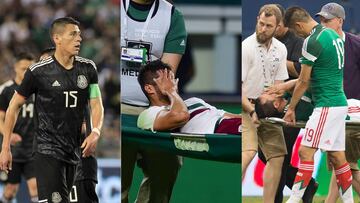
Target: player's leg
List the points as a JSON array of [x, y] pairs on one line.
[[343, 174], [272, 143], [290, 135], [83, 191], [128, 161], [304, 174], [32, 187], [10, 191], [12, 183], [249, 143], [352, 154], [51, 179], [333, 141], [160, 172], [127, 169], [356, 177], [29, 174], [333, 193]]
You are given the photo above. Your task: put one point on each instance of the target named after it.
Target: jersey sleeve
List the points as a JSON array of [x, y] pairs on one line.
[[4, 103], [27, 86], [311, 50], [147, 118], [93, 75], [176, 38]]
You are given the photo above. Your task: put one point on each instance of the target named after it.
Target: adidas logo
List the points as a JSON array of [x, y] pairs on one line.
[[56, 84], [182, 43]]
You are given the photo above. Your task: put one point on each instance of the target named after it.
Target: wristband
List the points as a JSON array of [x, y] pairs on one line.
[[252, 112], [96, 130]]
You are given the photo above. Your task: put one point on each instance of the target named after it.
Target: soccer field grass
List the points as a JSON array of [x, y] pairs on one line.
[[316, 200]]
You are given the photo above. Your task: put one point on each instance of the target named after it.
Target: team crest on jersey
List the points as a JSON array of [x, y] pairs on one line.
[[56, 197], [82, 82]]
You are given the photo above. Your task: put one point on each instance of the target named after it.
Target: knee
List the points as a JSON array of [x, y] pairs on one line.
[[337, 159], [278, 161], [305, 154], [248, 154]]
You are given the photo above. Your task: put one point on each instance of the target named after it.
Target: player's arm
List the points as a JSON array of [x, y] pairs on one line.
[[2, 120], [291, 68], [177, 115], [301, 86], [172, 60], [97, 117], [10, 119], [280, 88]]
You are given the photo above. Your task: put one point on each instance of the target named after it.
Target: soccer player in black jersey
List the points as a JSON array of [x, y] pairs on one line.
[[23, 135], [63, 86], [84, 188]]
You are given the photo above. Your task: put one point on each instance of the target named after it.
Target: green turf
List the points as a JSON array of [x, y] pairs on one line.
[[260, 200], [202, 181]]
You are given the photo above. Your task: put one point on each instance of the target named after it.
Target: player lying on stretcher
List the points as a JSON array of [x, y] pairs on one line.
[[274, 101], [168, 111]]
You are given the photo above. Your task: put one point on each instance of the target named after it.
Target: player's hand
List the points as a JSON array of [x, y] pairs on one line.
[[275, 89], [166, 81], [89, 144], [289, 117], [15, 138], [5, 160]]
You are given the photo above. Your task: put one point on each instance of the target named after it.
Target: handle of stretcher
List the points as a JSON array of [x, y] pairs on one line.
[[301, 124]]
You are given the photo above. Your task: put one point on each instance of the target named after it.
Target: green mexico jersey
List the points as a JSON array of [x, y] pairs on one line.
[[323, 50], [304, 108], [175, 41]]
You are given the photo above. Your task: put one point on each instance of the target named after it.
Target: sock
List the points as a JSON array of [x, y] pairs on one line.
[[302, 179], [34, 199], [343, 180]]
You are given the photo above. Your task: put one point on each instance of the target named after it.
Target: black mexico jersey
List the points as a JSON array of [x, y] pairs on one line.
[[24, 126], [60, 98]]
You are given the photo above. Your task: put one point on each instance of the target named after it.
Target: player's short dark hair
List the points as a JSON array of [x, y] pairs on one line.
[[264, 110], [148, 72], [58, 24], [49, 51], [295, 14], [24, 56]]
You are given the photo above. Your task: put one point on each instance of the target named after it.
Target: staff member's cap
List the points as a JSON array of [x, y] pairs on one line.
[[332, 10]]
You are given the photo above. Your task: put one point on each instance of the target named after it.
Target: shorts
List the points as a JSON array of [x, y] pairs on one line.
[[325, 129], [26, 169], [269, 137], [54, 179], [83, 191], [229, 126]]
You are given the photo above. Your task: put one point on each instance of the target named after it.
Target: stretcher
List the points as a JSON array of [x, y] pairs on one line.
[[301, 124], [217, 147]]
